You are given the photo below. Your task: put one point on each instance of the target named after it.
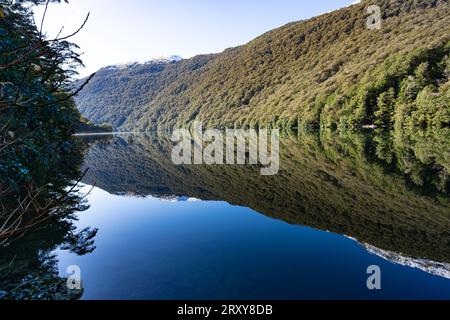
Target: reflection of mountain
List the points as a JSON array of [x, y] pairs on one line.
[[326, 182], [431, 267]]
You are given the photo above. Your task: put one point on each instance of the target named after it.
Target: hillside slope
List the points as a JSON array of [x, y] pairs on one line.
[[116, 92], [330, 70]]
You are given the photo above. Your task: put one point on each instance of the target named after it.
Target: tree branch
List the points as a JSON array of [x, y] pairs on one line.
[[74, 33]]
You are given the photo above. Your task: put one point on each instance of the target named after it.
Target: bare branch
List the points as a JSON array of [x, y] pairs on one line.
[[43, 17], [74, 33], [70, 96]]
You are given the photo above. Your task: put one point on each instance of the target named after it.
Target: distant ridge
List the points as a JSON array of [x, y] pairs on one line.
[[117, 91], [147, 62]]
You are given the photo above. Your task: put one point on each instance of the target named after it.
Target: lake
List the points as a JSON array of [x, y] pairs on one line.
[[340, 204]]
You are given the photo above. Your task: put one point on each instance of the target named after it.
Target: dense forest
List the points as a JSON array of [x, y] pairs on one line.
[[329, 71], [115, 91]]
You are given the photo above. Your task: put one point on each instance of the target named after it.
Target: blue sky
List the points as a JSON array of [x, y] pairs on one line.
[[139, 30]]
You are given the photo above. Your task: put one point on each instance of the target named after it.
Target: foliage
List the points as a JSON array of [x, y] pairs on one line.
[[37, 120], [39, 159], [329, 71], [407, 90], [116, 92]]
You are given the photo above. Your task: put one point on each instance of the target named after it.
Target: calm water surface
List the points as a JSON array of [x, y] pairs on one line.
[[153, 230], [153, 249], [250, 237]]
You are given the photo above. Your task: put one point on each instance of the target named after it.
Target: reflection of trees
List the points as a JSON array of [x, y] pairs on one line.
[[422, 157], [28, 270], [353, 184], [425, 157]]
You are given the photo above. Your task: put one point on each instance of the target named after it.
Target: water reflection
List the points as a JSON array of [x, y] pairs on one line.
[[388, 190], [35, 221]]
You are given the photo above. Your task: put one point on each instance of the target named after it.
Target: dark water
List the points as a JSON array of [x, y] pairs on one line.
[[340, 204]]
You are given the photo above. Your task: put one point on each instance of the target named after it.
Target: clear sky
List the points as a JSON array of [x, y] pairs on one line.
[[139, 30]]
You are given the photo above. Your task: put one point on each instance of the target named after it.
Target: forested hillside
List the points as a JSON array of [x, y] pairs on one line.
[[331, 70], [116, 92]]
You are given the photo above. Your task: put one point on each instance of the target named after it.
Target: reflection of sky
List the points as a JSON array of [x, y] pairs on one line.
[[151, 249]]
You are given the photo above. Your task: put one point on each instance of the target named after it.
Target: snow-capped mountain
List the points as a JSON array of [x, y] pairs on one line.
[[120, 66]]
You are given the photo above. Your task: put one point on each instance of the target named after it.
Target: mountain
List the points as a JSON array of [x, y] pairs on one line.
[[116, 91], [331, 70]]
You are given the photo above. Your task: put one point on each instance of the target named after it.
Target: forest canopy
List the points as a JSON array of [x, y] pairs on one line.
[[329, 71]]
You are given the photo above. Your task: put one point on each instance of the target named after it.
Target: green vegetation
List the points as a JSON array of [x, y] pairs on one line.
[[116, 92], [389, 189], [407, 90], [39, 158], [40, 162], [329, 71], [87, 127]]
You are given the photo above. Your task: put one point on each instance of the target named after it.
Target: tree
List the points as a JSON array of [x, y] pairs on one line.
[[36, 120], [385, 108]]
